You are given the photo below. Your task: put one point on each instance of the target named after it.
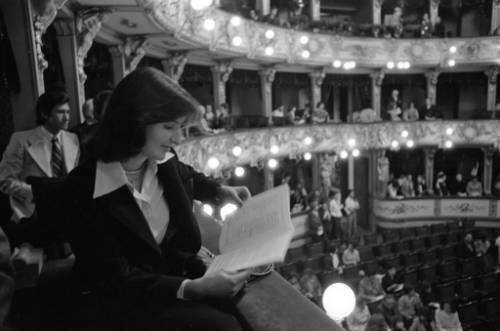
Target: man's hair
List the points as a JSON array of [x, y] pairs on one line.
[[48, 101], [144, 97]]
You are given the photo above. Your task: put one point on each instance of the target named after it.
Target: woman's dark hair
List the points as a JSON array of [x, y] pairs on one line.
[[47, 101], [146, 96]]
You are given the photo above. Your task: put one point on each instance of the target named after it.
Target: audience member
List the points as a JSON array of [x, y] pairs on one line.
[[389, 309], [314, 223], [439, 28], [351, 207], [474, 187], [426, 26], [278, 112], [350, 255], [447, 318], [441, 186], [430, 111], [421, 188], [83, 129], [253, 15], [467, 250], [376, 323], [394, 189], [411, 113], [358, 319], [45, 151], [370, 287], [272, 17], [394, 106], [320, 115], [336, 262], [458, 187], [409, 304], [290, 116], [311, 286], [293, 279], [209, 116], [392, 281], [335, 206], [367, 115], [222, 117], [298, 198], [407, 187]]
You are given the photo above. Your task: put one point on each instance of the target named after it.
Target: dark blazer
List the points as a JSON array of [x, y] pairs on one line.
[[115, 251]]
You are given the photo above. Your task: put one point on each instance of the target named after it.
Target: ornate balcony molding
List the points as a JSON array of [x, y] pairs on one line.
[[292, 142], [177, 17], [433, 208]]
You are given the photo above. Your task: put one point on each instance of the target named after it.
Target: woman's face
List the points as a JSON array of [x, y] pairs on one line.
[[160, 137]]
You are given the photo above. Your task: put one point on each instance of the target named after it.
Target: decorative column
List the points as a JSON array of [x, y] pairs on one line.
[[431, 78], [492, 74], [220, 75], [263, 7], [433, 10], [377, 12], [377, 80], [495, 15], [429, 168], [315, 10], [350, 172], [126, 57], [316, 78], [266, 81], [488, 168], [380, 172], [174, 64]]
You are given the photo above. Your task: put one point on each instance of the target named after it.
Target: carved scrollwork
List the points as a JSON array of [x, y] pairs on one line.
[[224, 68], [268, 74], [492, 74], [317, 77], [378, 77], [432, 77], [174, 64], [88, 24]]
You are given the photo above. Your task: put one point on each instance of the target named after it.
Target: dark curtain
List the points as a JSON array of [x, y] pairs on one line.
[[53, 76], [9, 83]]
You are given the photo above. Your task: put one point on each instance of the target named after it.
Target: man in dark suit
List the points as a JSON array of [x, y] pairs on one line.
[[430, 112]]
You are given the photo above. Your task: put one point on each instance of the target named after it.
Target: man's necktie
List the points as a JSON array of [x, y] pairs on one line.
[[57, 162]]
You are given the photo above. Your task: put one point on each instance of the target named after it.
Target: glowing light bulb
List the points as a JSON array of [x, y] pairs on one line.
[[337, 64], [237, 41], [209, 24], [390, 65], [453, 49], [404, 133], [237, 150], [451, 63], [200, 4], [344, 154], [269, 51], [269, 34], [351, 142], [355, 152], [305, 54], [339, 301], [239, 171], [235, 21], [395, 144], [307, 156], [448, 144], [272, 163], [449, 131], [410, 143], [213, 163], [274, 149], [304, 40]]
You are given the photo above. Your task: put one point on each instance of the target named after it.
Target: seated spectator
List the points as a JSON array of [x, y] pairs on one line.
[[447, 318], [407, 188], [222, 117], [376, 323], [311, 286], [368, 115], [283, 19], [474, 187], [209, 116], [441, 186], [392, 281], [409, 304], [278, 112], [467, 249], [411, 113], [351, 256], [336, 262], [320, 115], [272, 17], [394, 190], [291, 116], [458, 187], [335, 205], [370, 288], [396, 22], [430, 111], [394, 106], [293, 279], [439, 28], [253, 15], [298, 20], [421, 188], [358, 319], [395, 114], [298, 198], [389, 309], [314, 223]]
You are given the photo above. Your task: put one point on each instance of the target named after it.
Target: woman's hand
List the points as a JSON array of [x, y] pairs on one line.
[[237, 194], [222, 284]]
